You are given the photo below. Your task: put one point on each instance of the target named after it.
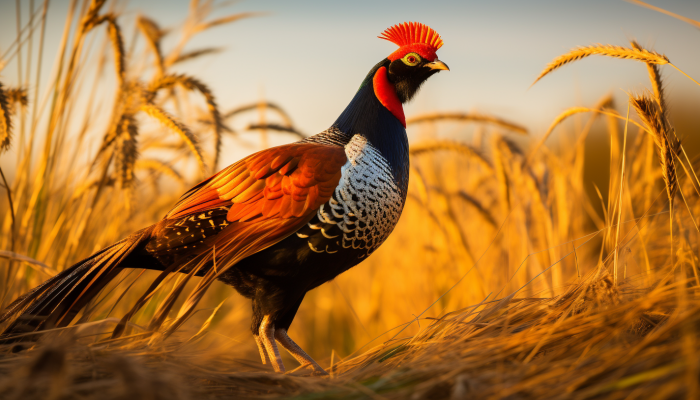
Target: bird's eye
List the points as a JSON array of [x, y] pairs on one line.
[[411, 59]]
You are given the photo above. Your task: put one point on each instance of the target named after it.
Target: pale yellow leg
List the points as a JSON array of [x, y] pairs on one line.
[[297, 352], [267, 336], [261, 348]]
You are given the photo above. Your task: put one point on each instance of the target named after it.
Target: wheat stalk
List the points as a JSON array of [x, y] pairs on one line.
[[177, 127], [667, 145], [469, 117], [192, 84], [5, 122], [427, 147], [604, 50]]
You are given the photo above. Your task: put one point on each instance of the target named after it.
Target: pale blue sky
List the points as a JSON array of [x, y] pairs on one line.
[[310, 56]]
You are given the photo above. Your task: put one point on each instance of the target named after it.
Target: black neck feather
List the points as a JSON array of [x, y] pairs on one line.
[[366, 116]]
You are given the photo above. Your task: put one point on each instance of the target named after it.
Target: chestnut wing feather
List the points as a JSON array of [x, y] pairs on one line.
[[276, 190]]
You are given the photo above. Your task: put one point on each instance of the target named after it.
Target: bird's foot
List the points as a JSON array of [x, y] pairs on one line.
[[266, 340]]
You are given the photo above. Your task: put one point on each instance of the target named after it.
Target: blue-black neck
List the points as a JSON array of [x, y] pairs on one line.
[[365, 115]]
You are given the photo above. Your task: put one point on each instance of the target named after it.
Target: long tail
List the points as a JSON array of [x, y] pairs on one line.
[[57, 301]]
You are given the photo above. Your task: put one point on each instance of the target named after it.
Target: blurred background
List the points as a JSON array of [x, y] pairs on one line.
[[308, 58]]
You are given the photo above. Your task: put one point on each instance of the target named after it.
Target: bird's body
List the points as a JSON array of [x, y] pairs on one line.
[[277, 223]]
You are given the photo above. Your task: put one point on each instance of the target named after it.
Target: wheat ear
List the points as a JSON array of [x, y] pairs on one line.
[[192, 84], [117, 41], [177, 127], [5, 123], [16, 96], [667, 145], [126, 150], [604, 50], [655, 79]]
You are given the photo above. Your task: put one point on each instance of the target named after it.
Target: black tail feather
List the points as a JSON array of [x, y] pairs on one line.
[[57, 301]]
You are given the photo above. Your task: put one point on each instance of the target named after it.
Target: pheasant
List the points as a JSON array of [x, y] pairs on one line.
[[277, 223]]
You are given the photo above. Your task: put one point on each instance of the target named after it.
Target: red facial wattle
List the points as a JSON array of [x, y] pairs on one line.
[[386, 93]]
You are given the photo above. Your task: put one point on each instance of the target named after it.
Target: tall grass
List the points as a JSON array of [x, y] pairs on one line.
[[532, 285]]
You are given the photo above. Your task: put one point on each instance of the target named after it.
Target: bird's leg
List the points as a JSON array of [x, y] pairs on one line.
[[267, 336], [297, 352], [261, 348]]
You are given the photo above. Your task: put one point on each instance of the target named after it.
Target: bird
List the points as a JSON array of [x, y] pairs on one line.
[[277, 223]]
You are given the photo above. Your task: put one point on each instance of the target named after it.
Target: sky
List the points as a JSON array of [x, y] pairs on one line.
[[310, 56]]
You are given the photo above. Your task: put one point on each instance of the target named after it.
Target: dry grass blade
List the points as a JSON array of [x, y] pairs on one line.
[[192, 84], [278, 128], [153, 34], [661, 10], [667, 145], [184, 132], [126, 152], [427, 147], [604, 50], [466, 117], [5, 122]]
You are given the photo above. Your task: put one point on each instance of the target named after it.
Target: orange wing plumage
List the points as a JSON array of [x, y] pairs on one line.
[[290, 181]]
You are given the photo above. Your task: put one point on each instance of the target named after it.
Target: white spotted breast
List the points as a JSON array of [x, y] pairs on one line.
[[366, 204]]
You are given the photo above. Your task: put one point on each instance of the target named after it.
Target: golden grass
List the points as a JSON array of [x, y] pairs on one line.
[[505, 278]]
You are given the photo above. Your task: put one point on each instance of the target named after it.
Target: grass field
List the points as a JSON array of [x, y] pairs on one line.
[[534, 285]]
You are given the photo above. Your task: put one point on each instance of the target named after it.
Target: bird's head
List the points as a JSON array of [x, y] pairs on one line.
[[397, 78], [415, 60]]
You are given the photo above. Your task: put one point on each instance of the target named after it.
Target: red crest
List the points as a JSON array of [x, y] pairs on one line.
[[413, 37]]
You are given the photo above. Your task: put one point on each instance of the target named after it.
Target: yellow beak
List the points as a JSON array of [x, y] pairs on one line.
[[437, 64]]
